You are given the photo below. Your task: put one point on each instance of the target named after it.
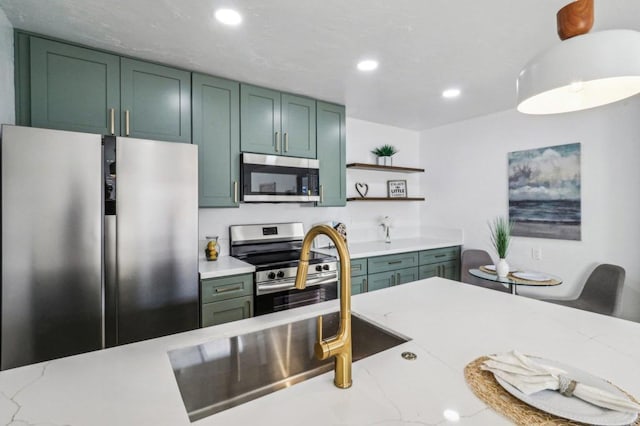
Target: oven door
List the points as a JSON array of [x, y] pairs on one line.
[[289, 299], [270, 178]]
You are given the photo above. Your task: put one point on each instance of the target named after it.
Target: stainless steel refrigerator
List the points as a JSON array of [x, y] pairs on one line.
[[99, 242]]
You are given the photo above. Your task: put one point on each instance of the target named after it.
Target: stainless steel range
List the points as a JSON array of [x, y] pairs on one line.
[[274, 249]]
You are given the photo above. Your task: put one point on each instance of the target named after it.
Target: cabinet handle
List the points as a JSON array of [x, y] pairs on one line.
[[286, 142], [227, 289], [321, 194], [441, 255], [393, 279], [277, 141], [364, 285], [395, 262], [126, 122], [235, 191], [356, 267], [112, 119], [399, 280]]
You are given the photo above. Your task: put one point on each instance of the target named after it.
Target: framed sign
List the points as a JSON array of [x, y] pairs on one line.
[[397, 188]]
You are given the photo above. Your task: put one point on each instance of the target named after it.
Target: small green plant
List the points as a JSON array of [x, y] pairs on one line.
[[501, 235], [384, 151]]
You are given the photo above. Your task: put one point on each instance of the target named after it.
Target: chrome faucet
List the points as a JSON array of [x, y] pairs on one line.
[[338, 346]]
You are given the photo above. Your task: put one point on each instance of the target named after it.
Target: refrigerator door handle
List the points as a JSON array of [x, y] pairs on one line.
[[110, 320]]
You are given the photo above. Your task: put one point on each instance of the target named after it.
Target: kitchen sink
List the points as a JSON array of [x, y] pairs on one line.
[[221, 374]]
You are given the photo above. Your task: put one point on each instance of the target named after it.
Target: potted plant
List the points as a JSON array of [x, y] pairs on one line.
[[384, 154], [500, 238]]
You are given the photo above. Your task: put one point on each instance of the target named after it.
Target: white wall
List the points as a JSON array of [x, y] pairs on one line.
[[466, 182], [7, 106], [362, 218]]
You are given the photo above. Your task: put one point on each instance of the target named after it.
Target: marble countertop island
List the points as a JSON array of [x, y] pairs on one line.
[[450, 324]]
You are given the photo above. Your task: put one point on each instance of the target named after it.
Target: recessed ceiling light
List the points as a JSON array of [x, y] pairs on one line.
[[451, 93], [228, 16], [367, 65]]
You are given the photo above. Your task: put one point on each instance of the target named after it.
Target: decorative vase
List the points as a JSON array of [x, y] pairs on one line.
[[502, 268]]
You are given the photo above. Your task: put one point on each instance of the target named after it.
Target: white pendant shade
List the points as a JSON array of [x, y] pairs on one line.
[[582, 72]]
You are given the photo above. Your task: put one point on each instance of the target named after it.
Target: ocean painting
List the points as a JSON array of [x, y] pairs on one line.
[[544, 192]]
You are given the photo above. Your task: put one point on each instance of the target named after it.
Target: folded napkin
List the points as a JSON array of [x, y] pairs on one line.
[[528, 376]]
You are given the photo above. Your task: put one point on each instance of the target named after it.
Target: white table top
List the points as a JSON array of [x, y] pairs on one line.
[[450, 323]]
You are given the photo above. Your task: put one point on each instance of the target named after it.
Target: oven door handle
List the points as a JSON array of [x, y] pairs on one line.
[[322, 279], [275, 286]]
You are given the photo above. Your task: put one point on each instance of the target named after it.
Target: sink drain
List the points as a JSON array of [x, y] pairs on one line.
[[409, 356]]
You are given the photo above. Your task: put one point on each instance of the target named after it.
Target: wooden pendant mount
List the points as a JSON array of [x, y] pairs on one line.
[[574, 19]]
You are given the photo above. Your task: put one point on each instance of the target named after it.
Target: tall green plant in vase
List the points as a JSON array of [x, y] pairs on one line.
[[500, 239]]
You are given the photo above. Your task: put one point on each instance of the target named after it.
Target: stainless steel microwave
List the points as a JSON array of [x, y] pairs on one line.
[[276, 179]]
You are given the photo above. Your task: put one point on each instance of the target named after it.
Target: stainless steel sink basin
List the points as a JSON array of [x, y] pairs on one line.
[[224, 373]]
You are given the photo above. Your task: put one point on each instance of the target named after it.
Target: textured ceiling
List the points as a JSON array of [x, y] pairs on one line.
[[311, 47]]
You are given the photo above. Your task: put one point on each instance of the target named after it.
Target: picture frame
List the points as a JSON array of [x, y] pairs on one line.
[[397, 188]]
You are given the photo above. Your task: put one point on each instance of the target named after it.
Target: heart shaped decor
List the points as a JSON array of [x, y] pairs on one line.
[[362, 188]]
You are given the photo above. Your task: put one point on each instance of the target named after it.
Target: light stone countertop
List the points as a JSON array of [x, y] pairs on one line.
[[224, 266], [451, 324], [380, 248]]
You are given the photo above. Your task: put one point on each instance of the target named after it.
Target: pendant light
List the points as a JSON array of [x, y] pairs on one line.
[[584, 70]]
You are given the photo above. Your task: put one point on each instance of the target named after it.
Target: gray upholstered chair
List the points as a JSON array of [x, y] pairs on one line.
[[601, 293], [473, 259]]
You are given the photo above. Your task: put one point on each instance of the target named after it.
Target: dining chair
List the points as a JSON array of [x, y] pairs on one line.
[[600, 293], [473, 259]]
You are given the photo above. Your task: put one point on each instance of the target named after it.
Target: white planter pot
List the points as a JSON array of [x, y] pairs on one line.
[[502, 268], [385, 161]]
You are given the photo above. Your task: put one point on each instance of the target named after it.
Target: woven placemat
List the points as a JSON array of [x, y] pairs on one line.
[[522, 280], [485, 387]]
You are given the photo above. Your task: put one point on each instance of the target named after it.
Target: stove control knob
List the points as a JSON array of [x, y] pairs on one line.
[[318, 268], [280, 274], [325, 267], [271, 275]]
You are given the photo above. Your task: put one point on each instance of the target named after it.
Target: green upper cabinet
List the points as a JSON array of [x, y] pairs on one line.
[[216, 131], [331, 133], [155, 101], [277, 123], [73, 88], [298, 126], [260, 120]]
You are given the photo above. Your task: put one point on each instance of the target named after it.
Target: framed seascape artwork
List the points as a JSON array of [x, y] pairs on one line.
[[544, 192]]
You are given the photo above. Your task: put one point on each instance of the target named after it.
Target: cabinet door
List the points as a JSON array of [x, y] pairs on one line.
[[381, 280], [216, 131], [227, 310], [450, 270], [406, 275], [260, 120], [428, 271], [298, 126], [359, 285], [73, 88], [332, 155], [158, 101], [439, 255]]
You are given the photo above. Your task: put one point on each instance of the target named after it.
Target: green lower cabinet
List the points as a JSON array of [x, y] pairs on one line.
[[443, 262], [226, 311], [381, 280], [216, 131], [408, 275], [428, 271], [451, 270], [155, 101], [392, 262], [226, 299], [358, 285]]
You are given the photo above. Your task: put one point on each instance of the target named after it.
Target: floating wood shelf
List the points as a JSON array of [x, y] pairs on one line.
[[385, 199], [364, 166]]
